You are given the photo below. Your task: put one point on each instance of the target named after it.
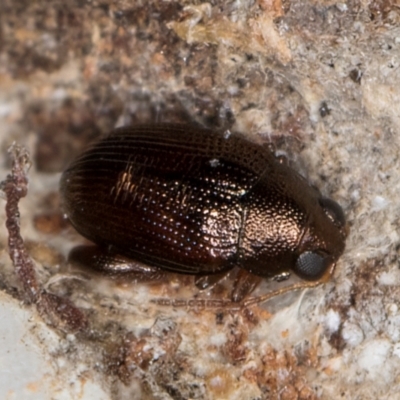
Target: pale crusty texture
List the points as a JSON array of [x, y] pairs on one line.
[[319, 79]]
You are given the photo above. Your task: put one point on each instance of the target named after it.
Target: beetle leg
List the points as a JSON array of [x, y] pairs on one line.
[[245, 283], [204, 282], [110, 262]]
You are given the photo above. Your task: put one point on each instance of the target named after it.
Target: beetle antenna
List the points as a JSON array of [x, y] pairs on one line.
[[297, 286]]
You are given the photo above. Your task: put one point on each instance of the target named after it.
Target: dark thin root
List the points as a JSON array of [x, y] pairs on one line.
[[55, 310]]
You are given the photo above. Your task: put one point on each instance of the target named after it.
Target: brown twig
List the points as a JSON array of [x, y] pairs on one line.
[[15, 187], [56, 311]]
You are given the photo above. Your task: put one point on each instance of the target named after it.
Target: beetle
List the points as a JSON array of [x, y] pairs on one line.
[[189, 200]]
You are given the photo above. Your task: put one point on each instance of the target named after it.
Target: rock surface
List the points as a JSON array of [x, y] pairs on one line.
[[318, 79]]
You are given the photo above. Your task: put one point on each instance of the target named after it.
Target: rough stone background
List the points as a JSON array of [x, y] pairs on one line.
[[320, 79]]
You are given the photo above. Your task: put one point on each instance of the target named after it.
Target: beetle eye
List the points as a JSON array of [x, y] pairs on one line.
[[312, 265], [333, 211]]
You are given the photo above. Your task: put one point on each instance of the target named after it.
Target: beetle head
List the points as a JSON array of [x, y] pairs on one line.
[[323, 241]]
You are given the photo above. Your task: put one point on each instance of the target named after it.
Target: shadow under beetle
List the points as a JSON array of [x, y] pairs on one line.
[[191, 201]]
